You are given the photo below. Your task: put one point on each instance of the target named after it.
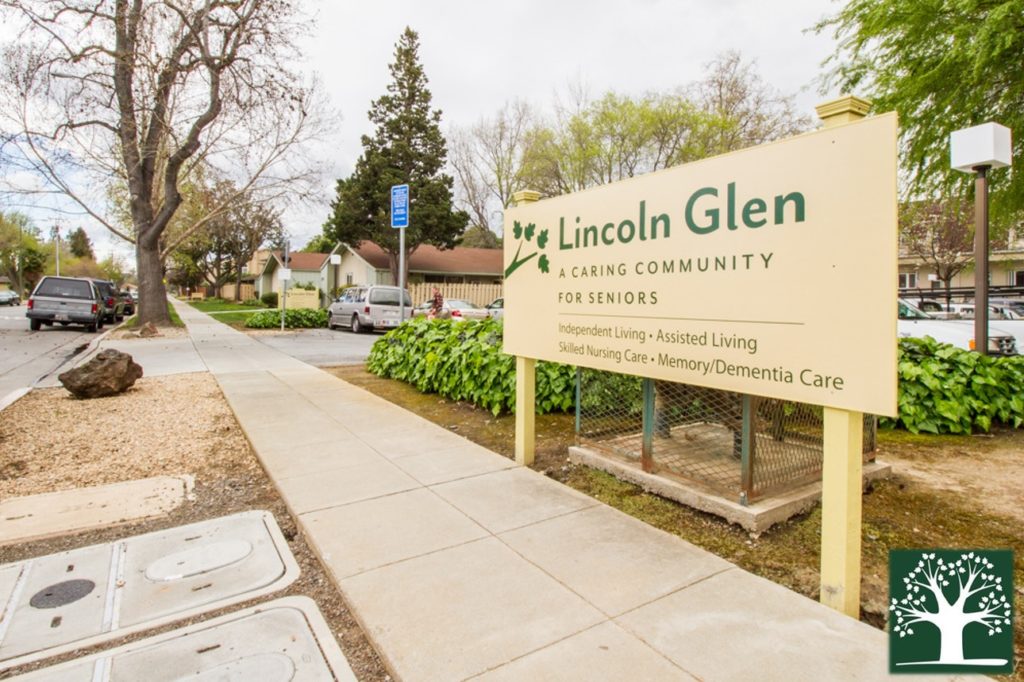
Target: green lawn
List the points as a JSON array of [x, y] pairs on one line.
[[234, 319], [132, 321], [215, 305]]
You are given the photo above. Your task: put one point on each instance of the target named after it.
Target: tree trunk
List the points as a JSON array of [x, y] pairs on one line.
[[152, 292], [238, 285]]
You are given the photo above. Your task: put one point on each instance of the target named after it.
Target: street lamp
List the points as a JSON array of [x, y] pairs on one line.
[[976, 150]]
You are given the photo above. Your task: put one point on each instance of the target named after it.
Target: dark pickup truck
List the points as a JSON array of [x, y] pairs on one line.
[[65, 300]]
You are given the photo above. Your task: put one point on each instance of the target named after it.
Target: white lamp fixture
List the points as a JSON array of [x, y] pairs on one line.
[[335, 259], [985, 145]]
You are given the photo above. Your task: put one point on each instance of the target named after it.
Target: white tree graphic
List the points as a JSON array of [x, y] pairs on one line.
[[978, 597]]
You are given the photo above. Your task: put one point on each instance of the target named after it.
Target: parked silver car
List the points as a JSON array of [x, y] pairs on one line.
[[65, 300], [496, 308], [456, 309], [368, 308]]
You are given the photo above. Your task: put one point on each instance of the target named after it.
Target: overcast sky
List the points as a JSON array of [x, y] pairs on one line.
[[478, 55]]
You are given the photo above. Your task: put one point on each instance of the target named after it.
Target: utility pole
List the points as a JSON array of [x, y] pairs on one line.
[[284, 284], [56, 246]]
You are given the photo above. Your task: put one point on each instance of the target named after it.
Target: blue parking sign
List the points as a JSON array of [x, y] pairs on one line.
[[400, 206]]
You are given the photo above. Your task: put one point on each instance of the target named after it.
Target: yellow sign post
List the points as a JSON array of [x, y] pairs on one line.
[[841, 476]]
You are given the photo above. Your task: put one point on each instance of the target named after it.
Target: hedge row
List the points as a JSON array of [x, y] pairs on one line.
[[463, 361], [942, 389], [294, 318]]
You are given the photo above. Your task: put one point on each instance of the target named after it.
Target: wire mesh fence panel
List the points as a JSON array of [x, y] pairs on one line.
[[743, 447], [610, 412], [698, 434]]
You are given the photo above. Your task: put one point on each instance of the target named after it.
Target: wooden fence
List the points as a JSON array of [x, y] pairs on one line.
[[481, 294]]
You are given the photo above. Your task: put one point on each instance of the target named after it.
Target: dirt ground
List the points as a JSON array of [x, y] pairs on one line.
[[946, 491], [50, 441]]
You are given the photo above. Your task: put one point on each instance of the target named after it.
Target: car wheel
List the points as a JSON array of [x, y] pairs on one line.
[[330, 320], [91, 328], [357, 326], [35, 325], [118, 318]]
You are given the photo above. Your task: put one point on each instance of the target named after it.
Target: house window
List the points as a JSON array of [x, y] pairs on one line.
[[348, 278], [1017, 278], [908, 280]]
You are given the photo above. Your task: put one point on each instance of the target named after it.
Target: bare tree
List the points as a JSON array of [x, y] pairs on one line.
[[145, 92], [941, 234], [487, 159], [749, 111]]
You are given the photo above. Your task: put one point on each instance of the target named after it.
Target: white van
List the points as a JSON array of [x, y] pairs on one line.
[[367, 308]]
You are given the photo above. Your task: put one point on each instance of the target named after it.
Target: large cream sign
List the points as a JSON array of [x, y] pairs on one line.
[[770, 271]]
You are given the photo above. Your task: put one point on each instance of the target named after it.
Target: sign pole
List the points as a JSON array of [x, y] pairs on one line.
[[842, 468], [401, 273], [400, 220], [526, 380]]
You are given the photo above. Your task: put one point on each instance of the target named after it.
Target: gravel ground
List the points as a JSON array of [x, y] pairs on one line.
[[50, 441]]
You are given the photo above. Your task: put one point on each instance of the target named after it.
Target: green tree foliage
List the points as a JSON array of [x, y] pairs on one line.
[[216, 253], [942, 65], [80, 244], [321, 243], [114, 268], [22, 256], [593, 142], [480, 237], [407, 147]]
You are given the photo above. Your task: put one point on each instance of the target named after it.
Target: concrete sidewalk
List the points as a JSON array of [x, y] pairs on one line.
[[459, 564]]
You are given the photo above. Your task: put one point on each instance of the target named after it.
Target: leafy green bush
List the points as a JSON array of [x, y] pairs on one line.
[[253, 302], [269, 299], [294, 318], [944, 389], [463, 361]]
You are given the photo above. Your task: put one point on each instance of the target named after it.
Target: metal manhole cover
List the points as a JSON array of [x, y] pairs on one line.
[[61, 594]]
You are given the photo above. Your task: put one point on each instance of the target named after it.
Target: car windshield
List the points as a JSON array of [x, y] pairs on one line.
[[388, 297], [909, 312], [64, 288]]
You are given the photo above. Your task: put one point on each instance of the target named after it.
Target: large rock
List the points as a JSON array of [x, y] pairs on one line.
[[109, 373]]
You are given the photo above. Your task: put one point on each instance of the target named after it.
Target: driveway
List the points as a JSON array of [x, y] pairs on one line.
[[320, 347], [27, 356]]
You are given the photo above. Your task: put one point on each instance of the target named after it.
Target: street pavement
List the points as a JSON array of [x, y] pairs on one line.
[[460, 564], [28, 357]]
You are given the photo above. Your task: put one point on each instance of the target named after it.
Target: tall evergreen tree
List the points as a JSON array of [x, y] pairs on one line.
[[407, 147], [80, 245]]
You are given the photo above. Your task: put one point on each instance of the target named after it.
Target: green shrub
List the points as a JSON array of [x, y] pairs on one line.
[[943, 389], [305, 286], [294, 318], [253, 302], [269, 299], [463, 361]]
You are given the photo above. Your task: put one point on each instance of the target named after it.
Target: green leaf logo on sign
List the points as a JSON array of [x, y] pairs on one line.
[[524, 235]]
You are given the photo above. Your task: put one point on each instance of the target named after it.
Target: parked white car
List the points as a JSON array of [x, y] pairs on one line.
[[915, 323]]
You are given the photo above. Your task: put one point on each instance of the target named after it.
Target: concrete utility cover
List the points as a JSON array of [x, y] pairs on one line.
[[38, 516], [282, 640], [60, 602]]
